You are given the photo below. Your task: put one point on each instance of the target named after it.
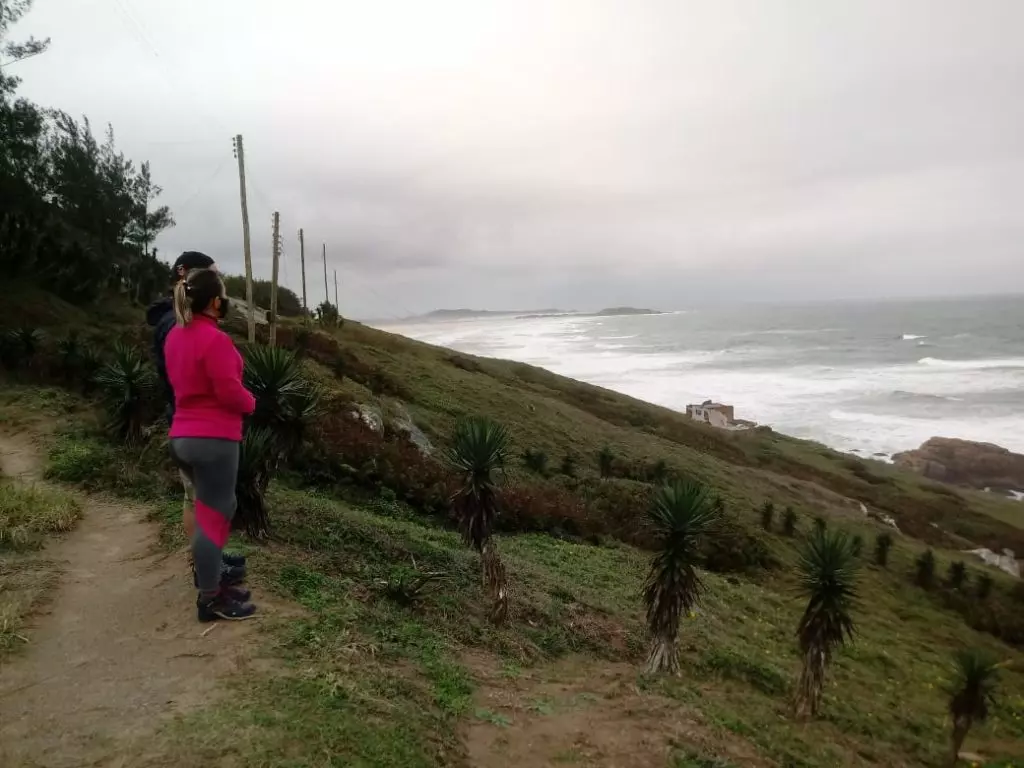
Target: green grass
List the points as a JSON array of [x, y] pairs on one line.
[[28, 513], [884, 702]]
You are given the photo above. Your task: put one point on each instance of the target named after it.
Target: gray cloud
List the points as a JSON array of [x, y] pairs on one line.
[[576, 153]]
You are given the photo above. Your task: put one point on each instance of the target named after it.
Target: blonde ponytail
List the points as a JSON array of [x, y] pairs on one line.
[[182, 304]]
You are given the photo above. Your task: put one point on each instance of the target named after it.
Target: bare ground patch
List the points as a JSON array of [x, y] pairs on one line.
[[582, 712]]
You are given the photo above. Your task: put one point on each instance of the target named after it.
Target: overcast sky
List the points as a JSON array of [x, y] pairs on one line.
[[570, 153]]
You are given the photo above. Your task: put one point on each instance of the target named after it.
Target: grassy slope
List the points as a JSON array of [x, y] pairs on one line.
[[361, 680]]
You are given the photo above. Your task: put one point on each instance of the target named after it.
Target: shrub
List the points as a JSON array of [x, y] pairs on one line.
[[767, 514], [957, 575], [543, 507], [327, 315], [789, 522], [658, 473], [883, 543], [606, 462], [983, 586], [731, 548], [618, 508], [820, 524], [924, 570], [343, 449], [536, 461], [568, 467]]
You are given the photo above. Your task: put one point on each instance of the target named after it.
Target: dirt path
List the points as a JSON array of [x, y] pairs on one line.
[[117, 651]]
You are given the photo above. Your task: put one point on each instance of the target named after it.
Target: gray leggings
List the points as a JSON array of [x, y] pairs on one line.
[[212, 465]]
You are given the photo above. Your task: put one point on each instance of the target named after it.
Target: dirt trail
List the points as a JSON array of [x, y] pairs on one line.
[[117, 650]]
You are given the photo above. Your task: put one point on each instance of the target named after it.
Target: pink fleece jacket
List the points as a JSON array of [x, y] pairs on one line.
[[205, 371]]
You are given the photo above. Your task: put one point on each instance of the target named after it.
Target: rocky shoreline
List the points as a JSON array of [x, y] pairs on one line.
[[984, 466]]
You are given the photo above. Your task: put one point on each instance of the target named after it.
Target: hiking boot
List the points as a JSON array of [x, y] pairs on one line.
[[230, 576], [241, 594], [238, 561], [222, 606]]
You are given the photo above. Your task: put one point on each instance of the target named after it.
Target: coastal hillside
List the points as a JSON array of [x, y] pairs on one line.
[[381, 650]]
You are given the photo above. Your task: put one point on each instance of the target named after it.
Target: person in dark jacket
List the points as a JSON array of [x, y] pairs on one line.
[[160, 317]]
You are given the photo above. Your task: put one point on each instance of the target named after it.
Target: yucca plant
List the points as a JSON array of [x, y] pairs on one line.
[[681, 514], [789, 522], [983, 586], [606, 462], [21, 346], [767, 514], [257, 460], [536, 460], [477, 456], [975, 673], [957, 575], [126, 384], [69, 356], [883, 543], [828, 577], [285, 400], [924, 570]]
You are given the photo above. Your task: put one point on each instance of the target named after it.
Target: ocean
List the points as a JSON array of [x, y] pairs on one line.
[[869, 378]]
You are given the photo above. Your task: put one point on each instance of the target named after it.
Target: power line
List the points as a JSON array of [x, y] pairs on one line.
[[201, 188]]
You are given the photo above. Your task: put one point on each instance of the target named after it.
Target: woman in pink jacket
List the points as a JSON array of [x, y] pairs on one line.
[[205, 372]]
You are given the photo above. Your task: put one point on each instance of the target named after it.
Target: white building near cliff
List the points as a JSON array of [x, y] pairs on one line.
[[717, 415]]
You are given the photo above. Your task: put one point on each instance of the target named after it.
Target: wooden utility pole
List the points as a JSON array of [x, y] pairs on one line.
[[240, 154], [336, 305], [273, 279], [327, 294], [302, 260]]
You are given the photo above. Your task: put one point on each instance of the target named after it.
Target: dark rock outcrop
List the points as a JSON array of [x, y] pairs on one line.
[[964, 462]]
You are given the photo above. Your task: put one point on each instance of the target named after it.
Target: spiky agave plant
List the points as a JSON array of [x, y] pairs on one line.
[[477, 456], [606, 462], [767, 514], [285, 400], [69, 355], [256, 464], [21, 347], [975, 673], [828, 577], [682, 514], [126, 383]]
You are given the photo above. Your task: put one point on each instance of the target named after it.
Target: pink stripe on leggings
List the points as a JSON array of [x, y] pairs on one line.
[[213, 524]]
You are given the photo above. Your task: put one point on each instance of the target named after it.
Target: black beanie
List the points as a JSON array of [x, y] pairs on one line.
[[192, 260]]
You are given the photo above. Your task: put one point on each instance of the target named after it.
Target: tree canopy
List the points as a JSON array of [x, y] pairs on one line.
[[75, 213], [288, 304]]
